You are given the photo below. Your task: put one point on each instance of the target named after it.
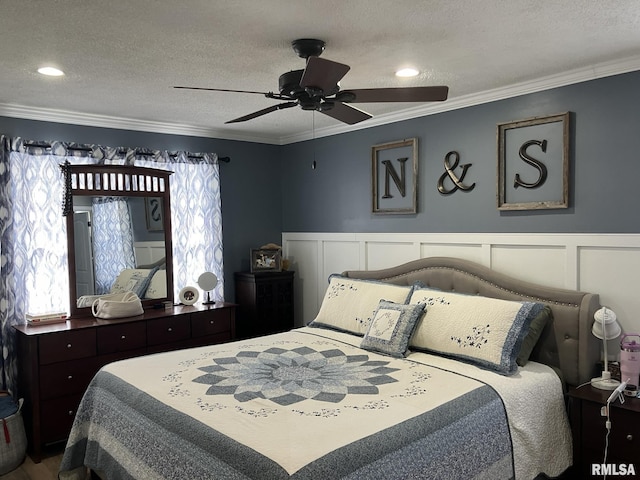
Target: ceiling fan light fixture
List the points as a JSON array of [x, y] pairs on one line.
[[50, 71], [407, 72]]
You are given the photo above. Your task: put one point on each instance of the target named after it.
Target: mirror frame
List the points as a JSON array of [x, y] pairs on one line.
[[113, 181]]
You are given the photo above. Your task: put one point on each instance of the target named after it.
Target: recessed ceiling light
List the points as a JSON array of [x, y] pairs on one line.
[[407, 72], [51, 71]]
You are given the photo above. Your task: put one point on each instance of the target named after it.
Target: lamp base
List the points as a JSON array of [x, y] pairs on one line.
[[604, 383]]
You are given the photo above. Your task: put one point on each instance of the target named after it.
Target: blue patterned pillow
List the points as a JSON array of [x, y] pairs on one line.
[[391, 328]]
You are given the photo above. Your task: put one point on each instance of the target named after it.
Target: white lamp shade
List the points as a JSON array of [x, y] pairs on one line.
[[606, 323]]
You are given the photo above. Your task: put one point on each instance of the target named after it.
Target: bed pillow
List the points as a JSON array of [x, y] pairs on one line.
[[157, 286], [485, 331], [391, 327], [134, 280], [533, 335], [349, 303]]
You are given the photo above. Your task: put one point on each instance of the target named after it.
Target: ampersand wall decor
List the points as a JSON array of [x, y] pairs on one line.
[[449, 172]]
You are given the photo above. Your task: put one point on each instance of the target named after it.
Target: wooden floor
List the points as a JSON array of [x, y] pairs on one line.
[[45, 470]]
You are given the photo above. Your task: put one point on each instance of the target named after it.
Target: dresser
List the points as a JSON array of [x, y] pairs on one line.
[[57, 361], [589, 430], [265, 302]]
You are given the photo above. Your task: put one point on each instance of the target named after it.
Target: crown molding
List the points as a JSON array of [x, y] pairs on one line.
[[593, 72], [571, 77], [122, 123]]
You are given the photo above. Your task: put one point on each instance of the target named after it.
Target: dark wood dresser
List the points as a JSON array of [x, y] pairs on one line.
[[57, 361], [265, 302]]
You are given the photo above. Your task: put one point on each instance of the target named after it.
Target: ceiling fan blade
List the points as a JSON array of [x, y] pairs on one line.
[[264, 111], [323, 74], [221, 90], [406, 94], [347, 113]]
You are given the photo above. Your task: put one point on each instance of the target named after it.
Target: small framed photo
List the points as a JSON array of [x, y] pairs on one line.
[[394, 177], [153, 209], [533, 163], [266, 260], [189, 295]]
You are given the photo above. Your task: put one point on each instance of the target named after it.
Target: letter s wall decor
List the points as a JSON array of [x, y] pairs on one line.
[[533, 163]]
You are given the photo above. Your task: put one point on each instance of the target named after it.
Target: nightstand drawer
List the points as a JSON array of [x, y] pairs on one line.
[[167, 330], [211, 322], [624, 439], [62, 346], [120, 338], [66, 378]]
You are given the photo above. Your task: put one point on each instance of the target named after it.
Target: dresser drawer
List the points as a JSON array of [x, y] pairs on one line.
[[123, 337], [66, 378], [167, 330], [57, 417], [63, 346], [210, 323]]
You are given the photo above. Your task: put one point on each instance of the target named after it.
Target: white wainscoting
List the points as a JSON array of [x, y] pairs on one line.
[[606, 264], [148, 252]]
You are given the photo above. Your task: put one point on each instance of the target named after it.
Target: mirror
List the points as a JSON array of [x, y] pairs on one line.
[[99, 201]]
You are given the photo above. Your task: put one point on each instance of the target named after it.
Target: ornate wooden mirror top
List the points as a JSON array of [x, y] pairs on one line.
[[118, 233]]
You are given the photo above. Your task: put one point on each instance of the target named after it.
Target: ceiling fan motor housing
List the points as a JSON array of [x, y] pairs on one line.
[[289, 83]]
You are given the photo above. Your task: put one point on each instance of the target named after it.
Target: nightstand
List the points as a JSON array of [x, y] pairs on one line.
[[265, 303], [589, 430]]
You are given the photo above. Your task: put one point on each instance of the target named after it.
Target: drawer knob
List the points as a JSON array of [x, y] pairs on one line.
[[123, 337], [70, 377], [68, 345], [630, 437], [71, 413], [211, 322], [169, 329]]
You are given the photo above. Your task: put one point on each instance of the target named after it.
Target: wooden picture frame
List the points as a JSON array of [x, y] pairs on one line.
[[533, 163], [394, 192], [153, 214], [266, 260]]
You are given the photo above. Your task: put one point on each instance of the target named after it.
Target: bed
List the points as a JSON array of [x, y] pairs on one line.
[[438, 368]]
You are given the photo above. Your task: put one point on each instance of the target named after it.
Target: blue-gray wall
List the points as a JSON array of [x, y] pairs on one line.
[[604, 178], [251, 205], [336, 196]]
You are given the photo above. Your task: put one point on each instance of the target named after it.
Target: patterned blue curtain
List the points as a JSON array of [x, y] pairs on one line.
[[33, 246], [196, 215], [112, 240], [33, 238]]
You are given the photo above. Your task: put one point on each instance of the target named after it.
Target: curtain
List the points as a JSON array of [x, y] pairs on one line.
[[33, 238], [196, 215]]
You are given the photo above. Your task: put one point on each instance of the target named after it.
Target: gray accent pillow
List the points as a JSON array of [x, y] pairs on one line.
[[391, 327], [533, 335]]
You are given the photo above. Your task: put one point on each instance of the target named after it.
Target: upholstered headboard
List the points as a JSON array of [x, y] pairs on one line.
[[566, 343]]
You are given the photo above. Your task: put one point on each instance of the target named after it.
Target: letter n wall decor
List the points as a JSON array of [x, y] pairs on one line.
[[394, 179]]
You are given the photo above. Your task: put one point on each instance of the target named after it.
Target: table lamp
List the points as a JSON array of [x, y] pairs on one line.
[[605, 327]]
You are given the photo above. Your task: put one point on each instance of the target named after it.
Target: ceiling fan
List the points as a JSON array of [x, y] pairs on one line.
[[316, 88]]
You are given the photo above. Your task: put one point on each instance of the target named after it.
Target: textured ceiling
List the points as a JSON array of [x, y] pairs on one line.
[[122, 57]]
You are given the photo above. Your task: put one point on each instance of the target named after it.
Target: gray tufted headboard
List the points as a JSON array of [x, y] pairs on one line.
[[566, 343]]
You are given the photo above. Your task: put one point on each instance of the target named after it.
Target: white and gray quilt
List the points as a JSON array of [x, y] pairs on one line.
[[298, 405]]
